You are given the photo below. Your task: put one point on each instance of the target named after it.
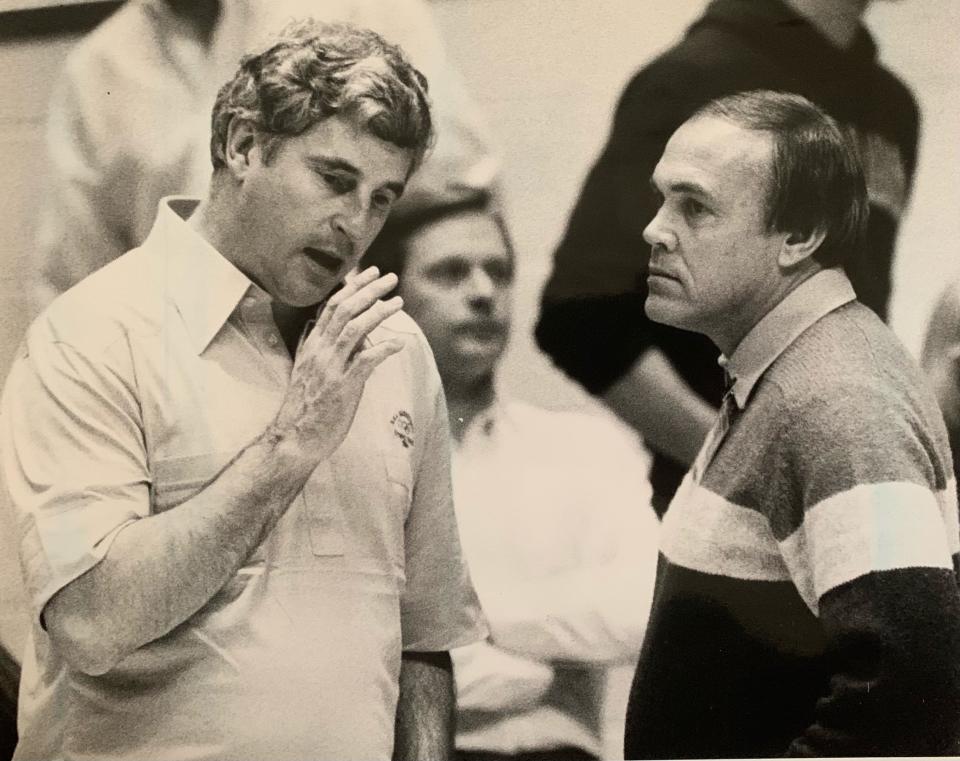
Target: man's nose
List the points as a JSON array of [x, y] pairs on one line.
[[480, 285], [659, 232], [353, 217], [480, 290]]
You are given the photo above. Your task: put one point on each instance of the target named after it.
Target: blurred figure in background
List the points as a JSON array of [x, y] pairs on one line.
[[940, 359], [553, 508], [129, 119], [9, 684], [663, 381]]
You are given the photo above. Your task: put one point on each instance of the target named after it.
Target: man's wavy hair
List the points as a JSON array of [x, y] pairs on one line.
[[313, 71], [816, 178]]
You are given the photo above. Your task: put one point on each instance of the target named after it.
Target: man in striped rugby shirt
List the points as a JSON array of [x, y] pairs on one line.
[[808, 601]]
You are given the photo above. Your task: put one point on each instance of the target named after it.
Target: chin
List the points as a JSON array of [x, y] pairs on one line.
[[472, 368], [667, 312], [304, 297]]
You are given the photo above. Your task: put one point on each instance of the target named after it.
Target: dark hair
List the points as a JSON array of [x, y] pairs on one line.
[[389, 251], [314, 71], [816, 178]]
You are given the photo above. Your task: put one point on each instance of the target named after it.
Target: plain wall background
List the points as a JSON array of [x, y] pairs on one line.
[[547, 74]]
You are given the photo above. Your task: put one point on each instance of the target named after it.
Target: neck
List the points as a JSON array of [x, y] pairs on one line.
[[291, 321], [217, 224], [728, 340], [465, 400], [837, 20]]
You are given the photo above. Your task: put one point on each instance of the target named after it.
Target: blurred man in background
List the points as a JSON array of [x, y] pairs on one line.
[[9, 685], [553, 508], [941, 362], [664, 381], [129, 119]]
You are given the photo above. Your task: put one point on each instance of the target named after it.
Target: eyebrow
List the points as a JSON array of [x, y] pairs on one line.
[[334, 164], [691, 188]]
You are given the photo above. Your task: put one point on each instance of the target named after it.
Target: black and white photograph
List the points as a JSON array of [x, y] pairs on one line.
[[482, 380]]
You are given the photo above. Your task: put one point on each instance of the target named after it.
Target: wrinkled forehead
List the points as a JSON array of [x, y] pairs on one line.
[[341, 140], [711, 150]]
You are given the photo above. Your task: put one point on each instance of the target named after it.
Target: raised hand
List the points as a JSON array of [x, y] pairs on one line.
[[333, 364]]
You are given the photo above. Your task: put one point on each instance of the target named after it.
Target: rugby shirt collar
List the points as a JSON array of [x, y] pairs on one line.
[[780, 327]]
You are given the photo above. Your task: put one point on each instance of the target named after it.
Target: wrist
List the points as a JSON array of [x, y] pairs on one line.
[[288, 450]]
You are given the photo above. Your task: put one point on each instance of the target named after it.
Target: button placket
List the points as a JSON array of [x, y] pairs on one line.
[[322, 507], [260, 330]]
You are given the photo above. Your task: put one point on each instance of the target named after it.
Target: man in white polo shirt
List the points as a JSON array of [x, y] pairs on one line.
[[235, 512]]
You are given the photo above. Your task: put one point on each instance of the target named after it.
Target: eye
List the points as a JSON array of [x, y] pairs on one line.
[[338, 183], [449, 272], [500, 272], [383, 201], [693, 208]]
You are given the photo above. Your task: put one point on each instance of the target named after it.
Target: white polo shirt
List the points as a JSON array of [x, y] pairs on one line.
[[131, 393]]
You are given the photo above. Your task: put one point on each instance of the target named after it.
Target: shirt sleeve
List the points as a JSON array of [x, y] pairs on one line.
[[74, 461], [597, 611], [439, 607], [491, 679], [873, 555]]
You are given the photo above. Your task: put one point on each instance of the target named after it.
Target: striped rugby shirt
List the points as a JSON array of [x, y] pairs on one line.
[[808, 598]]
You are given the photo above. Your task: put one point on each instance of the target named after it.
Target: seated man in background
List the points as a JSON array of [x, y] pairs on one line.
[[941, 362], [553, 508], [230, 461]]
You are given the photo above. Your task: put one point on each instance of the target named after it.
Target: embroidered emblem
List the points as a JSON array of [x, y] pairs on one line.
[[403, 428]]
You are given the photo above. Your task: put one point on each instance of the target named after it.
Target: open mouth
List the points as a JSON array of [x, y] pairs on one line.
[[330, 262]]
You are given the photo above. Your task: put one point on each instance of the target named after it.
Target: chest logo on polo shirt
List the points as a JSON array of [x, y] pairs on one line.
[[403, 428]]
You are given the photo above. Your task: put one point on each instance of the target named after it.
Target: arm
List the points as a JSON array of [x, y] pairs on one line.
[[159, 570], [491, 679], [425, 722], [874, 553], [439, 609], [162, 569], [653, 399], [598, 284], [596, 610], [894, 642]]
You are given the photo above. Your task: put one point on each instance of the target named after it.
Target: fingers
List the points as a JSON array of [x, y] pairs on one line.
[[350, 340], [357, 294], [367, 360]]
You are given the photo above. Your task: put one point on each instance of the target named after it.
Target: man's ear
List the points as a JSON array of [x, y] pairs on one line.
[[797, 247], [242, 147]]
